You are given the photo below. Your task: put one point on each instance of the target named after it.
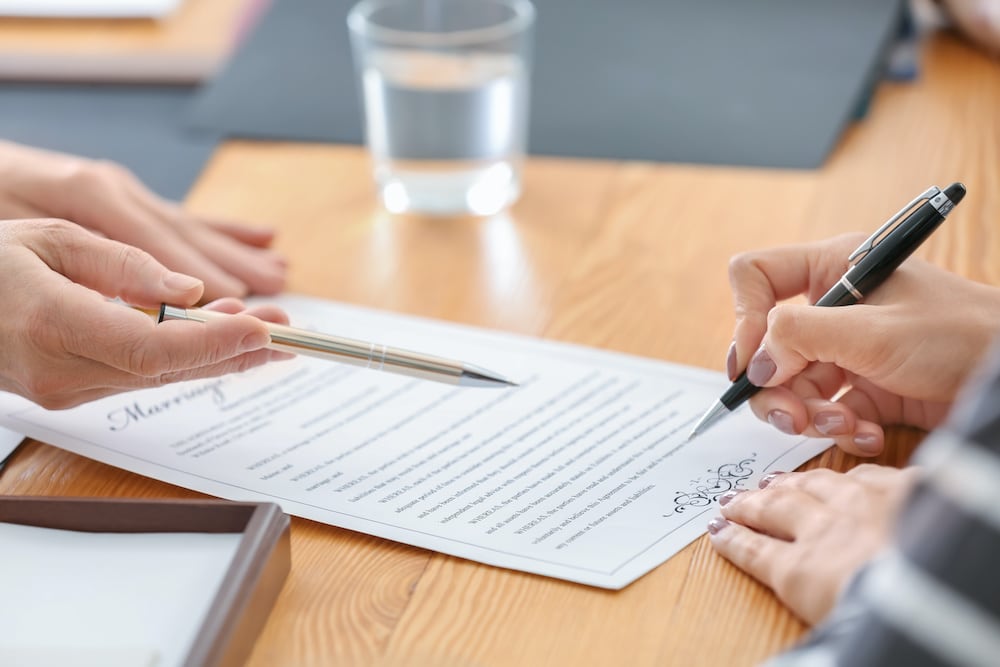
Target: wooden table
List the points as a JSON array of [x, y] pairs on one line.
[[624, 256], [187, 45]]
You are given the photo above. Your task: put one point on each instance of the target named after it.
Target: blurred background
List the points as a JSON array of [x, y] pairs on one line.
[[156, 84]]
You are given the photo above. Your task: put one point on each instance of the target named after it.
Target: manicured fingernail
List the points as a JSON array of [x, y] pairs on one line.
[[761, 368], [717, 524], [180, 282], [726, 497], [768, 478], [830, 423], [782, 421], [731, 369], [254, 341], [869, 443]]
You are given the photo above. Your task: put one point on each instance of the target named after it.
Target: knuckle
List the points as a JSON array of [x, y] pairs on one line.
[[749, 553], [109, 172], [130, 262], [132, 259], [54, 230], [781, 319], [148, 361], [741, 264], [853, 496], [863, 469], [801, 480], [96, 175], [88, 174]]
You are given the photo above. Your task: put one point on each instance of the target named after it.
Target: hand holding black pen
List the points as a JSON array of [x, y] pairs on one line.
[[873, 262]]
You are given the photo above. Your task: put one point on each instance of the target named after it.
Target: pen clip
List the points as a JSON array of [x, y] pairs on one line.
[[874, 239]]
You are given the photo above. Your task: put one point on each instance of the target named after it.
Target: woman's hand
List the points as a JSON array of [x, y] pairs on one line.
[[978, 19], [231, 259], [64, 343], [805, 534], [897, 358]]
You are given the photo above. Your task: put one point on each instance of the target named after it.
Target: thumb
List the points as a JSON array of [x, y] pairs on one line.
[[798, 335], [114, 269]]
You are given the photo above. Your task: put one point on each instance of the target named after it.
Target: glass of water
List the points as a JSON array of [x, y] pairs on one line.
[[445, 92]]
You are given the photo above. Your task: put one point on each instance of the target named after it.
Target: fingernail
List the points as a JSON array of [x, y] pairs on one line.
[[254, 341], [768, 478], [782, 421], [180, 282], [830, 423], [726, 497], [761, 368], [717, 524], [869, 443], [731, 369]]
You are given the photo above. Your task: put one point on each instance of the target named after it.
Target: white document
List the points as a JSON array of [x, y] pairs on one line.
[[88, 8], [581, 473], [9, 441]]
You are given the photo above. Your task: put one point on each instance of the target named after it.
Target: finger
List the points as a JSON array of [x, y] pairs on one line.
[[761, 279], [113, 208], [87, 380], [894, 484], [800, 335], [238, 364], [822, 484], [818, 418], [254, 236], [781, 408], [109, 267], [883, 478], [131, 342], [266, 312], [173, 249], [778, 511], [756, 554], [262, 270], [19, 210], [787, 407]]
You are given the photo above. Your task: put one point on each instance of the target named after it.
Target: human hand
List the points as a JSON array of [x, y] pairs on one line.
[[979, 20], [896, 357], [805, 534], [231, 259], [65, 344]]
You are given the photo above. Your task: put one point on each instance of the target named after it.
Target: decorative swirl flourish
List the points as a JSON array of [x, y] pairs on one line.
[[705, 490]]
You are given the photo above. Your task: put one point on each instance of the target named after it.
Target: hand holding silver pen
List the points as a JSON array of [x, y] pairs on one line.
[[358, 353]]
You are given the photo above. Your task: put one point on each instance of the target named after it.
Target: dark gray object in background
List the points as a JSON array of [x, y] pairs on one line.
[[744, 82], [140, 127]]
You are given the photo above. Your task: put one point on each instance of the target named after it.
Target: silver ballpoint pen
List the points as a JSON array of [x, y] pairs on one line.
[[357, 352]]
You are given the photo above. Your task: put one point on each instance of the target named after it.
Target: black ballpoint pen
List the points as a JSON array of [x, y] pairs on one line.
[[873, 262]]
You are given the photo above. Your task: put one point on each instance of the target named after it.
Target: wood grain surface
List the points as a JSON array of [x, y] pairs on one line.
[[623, 256], [185, 47]]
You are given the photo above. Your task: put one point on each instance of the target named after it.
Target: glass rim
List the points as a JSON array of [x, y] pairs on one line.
[[358, 22]]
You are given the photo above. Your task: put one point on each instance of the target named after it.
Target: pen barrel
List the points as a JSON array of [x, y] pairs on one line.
[[739, 392], [359, 353], [364, 354], [893, 250]]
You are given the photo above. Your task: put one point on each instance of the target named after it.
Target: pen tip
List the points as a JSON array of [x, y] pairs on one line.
[[474, 376], [714, 413]]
